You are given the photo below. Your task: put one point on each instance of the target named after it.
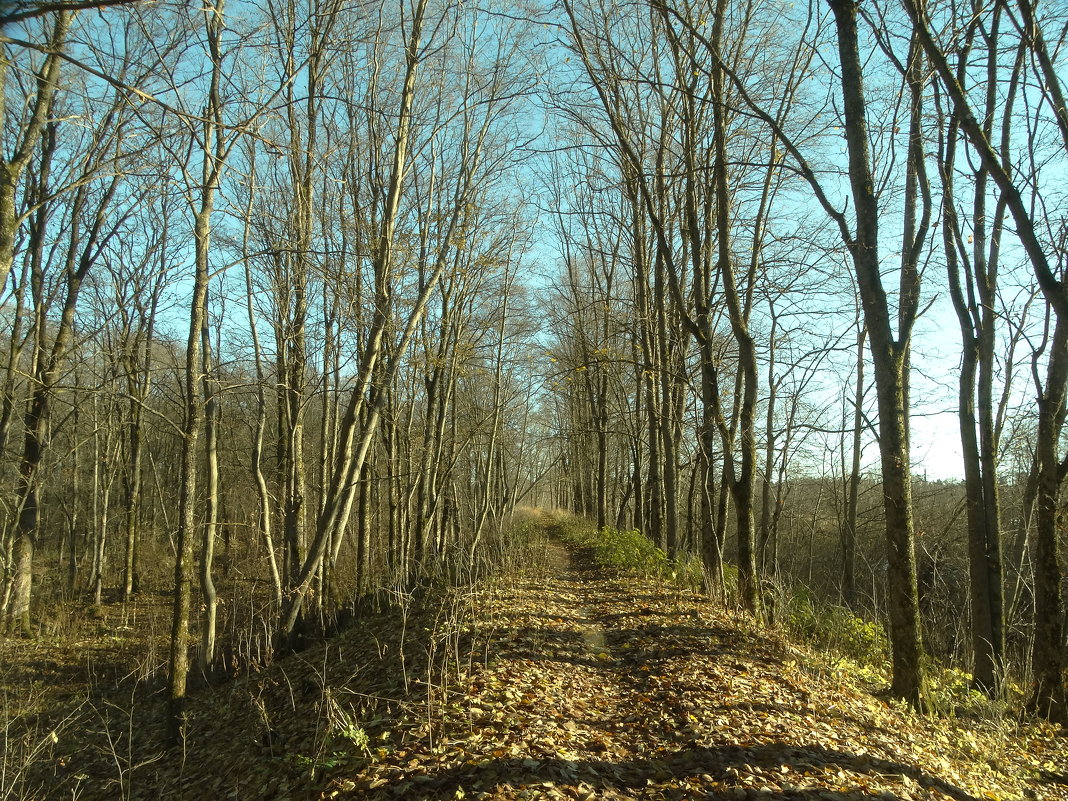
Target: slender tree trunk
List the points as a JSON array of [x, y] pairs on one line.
[[101, 500], [138, 388], [213, 151], [742, 490], [495, 424], [259, 474], [978, 435], [1022, 539], [208, 592], [849, 529], [711, 533], [765, 561]]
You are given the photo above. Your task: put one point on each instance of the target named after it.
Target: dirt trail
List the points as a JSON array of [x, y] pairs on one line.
[[599, 686], [564, 682]]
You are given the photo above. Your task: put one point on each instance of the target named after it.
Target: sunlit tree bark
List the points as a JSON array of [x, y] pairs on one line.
[[1048, 660]]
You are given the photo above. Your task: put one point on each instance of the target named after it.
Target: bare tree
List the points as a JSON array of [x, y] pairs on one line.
[[46, 80], [1048, 662], [94, 212]]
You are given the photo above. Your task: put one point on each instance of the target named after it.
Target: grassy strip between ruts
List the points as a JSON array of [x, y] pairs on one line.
[[630, 551]]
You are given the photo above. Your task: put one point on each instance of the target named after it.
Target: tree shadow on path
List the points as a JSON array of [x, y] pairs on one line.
[[716, 771]]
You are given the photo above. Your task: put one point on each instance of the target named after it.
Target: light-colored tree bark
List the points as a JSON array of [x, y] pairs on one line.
[[212, 149], [31, 129]]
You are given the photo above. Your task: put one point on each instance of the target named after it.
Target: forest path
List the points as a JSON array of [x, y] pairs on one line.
[[558, 680], [594, 685]]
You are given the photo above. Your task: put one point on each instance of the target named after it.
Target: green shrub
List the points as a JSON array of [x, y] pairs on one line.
[[688, 572], [630, 551], [575, 531], [949, 692], [835, 628]]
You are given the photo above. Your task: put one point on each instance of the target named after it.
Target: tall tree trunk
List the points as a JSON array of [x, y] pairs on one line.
[[890, 361], [213, 150], [974, 304], [1048, 662], [138, 387], [742, 489], [209, 596], [259, 474]]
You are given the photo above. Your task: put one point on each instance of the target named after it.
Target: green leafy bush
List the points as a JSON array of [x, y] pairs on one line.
[[835, 628], [630, 551], [688, 573], [627, 551], [949, 692], [575, 531]]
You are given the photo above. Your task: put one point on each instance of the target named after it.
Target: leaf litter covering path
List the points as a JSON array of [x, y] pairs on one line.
[[607, 687]]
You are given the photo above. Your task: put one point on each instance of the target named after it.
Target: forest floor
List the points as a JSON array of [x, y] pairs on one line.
[[564, 682]]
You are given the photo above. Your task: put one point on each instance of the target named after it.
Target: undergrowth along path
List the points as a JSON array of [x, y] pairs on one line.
[[558, 680], [597, 685]]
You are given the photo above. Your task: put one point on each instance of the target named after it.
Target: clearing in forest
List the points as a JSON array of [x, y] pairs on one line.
[[561, 682]]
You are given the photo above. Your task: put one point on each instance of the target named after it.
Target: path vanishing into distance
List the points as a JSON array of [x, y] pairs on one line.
[[568, 682]]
